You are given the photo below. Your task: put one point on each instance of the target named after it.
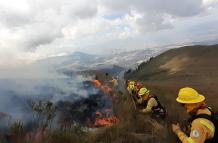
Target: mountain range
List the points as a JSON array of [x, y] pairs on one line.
[[79, 61]]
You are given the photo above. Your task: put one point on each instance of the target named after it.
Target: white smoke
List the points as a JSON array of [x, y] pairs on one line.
[[38, 83]]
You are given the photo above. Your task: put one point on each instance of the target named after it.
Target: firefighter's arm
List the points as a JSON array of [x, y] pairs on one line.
[[139, 101], [197, 135], [151, 103], [198, 132]]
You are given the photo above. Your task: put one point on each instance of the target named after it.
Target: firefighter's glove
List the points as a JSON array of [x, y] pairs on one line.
[[176, 128], [139, 101]]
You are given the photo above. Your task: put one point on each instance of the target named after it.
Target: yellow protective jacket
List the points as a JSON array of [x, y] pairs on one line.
[[201, 129], [152, 102]]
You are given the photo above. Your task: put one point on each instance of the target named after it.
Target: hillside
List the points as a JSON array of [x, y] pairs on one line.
[[194, 66]]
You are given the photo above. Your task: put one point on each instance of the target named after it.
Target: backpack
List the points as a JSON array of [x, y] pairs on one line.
[[159, 110], [214, 119]]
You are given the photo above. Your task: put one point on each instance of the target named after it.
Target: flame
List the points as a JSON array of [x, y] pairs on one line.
[[100, 121], [106, 89], [96, 83], [106, 122]]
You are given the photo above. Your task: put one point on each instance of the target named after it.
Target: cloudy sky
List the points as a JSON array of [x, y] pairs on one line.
[[35, 29]]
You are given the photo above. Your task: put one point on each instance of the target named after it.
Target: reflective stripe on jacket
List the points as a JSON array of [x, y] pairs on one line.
[[201, 130]]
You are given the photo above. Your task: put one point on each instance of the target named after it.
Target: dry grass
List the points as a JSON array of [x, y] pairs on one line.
[[188, 66], [134, 127]]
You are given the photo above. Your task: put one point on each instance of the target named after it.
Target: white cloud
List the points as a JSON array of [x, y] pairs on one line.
[[36, 29], [209, 2]]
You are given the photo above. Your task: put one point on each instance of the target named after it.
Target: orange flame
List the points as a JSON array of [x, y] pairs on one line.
[[102, 122], [96, 83], [106, 89], [106, 122]]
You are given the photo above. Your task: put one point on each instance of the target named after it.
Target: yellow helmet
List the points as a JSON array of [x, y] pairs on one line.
[[143, 91], [189, 95], [131, 87], [132, 83]]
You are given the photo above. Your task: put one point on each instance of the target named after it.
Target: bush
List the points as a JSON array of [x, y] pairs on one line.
[[17, 128]]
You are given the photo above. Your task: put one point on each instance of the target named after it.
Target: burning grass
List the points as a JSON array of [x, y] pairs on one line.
[[132, 127], [101, 118], [101, 121]]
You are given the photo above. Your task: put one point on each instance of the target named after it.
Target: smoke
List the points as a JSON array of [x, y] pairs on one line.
[[35, 83]]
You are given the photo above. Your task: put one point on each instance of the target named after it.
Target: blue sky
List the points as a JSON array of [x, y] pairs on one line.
[[32, 30]]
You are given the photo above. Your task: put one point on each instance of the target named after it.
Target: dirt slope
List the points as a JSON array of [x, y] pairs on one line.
[[194, 66]]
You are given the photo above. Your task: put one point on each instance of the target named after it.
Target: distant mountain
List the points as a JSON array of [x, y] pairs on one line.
[[133, 58], [211, 42], [115, 70], [79, 61]]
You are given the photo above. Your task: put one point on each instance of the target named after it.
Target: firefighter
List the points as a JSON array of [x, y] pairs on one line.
[[133, 90], [131, 87], [150, 103], [114, 82], [201, 125]]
